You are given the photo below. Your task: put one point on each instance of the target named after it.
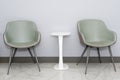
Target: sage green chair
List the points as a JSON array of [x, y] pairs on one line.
[[94, 33], [21, 34]]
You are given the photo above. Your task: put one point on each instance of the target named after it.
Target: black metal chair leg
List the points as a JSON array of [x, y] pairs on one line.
[[99, 55], [88, 55], [13, 51], [36, 59], [31, 55], [82, 55], [10, 60], [112, 58]]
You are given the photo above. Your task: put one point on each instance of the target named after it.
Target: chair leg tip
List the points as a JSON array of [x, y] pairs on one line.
[[7, 73]]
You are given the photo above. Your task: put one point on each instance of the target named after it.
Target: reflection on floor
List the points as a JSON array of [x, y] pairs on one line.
[[29, 71]]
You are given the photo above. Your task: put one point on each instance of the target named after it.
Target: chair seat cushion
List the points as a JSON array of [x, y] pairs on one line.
[[100, 43], [23, 44]]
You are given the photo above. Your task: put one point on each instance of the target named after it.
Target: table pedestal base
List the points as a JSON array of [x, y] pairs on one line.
[[64, 67]]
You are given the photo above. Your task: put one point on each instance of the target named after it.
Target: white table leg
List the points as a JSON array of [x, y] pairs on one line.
[[61, 66]]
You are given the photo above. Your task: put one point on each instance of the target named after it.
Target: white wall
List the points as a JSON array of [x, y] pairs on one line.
[[60, 15]]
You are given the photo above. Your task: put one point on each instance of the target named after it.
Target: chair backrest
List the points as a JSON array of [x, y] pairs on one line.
[[20, 31], [92, 29]]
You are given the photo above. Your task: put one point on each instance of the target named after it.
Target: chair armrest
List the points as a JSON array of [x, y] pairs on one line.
[[113, 35], [4, 38], [38, 36]]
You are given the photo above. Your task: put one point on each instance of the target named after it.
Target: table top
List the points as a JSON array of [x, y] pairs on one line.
[[60, 33]]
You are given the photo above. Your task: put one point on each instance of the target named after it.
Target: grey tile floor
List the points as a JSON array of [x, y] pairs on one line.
[[29, 71]]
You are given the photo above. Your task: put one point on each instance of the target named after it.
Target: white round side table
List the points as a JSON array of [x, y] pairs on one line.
[[60, 65]]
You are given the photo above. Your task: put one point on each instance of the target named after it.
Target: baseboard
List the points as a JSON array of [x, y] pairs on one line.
[[55, 59]]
